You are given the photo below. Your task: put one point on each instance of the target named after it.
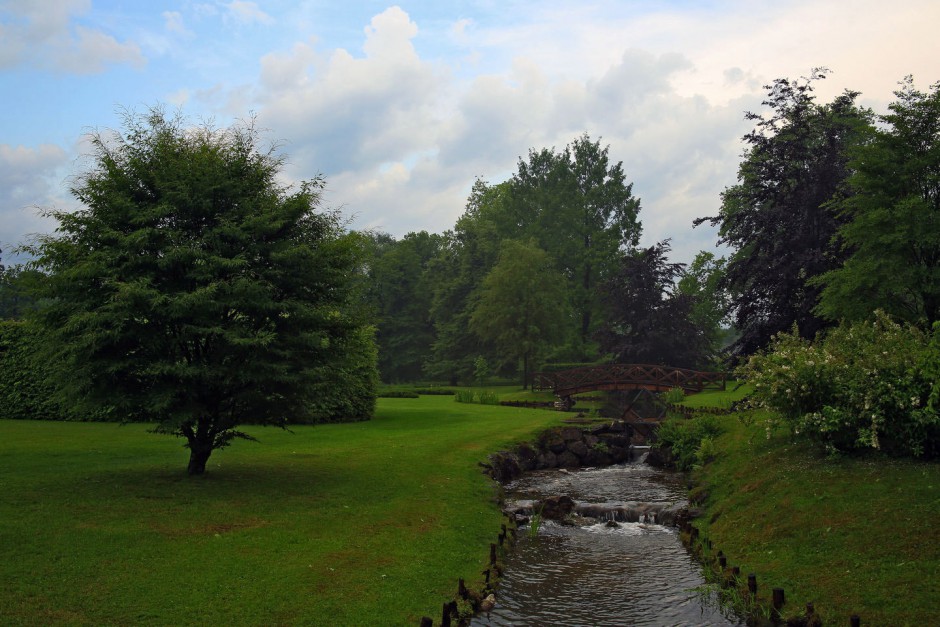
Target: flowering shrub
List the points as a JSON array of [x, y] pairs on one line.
[[867, 385]]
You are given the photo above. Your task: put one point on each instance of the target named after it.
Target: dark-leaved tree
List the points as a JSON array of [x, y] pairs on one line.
[[776, 218], [648, 320], [195, 290]]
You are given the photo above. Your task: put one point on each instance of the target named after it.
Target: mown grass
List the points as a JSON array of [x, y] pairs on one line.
[[356, 524], [854, 535]]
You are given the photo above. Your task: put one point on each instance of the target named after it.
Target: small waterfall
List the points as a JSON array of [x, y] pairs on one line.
[[639, 454]]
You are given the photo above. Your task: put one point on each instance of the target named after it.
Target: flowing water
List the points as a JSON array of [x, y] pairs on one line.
[[635, 573]]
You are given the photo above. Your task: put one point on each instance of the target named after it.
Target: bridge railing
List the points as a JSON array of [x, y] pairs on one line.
[[610, 376]]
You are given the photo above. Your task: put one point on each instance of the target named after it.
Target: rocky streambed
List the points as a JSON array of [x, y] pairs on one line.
[[597, 541]]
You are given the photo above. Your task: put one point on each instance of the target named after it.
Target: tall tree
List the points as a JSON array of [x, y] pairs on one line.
[[892, 229], [467, 254], [776, 218], [647, 320], [195, 290], [401, 293], [701, 281], [521, 308], [581, 210]]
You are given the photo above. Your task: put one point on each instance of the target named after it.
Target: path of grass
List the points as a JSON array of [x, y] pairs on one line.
[[854, 535], [358, 524]]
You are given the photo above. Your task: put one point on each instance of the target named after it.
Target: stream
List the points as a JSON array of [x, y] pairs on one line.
[[595, 573]]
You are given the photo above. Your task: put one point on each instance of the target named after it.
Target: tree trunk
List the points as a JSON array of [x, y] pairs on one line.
[[198, 456]]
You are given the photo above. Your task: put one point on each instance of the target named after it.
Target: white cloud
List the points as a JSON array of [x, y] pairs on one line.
[[43, 36], [173, 22], [30, 178], [246, 13]]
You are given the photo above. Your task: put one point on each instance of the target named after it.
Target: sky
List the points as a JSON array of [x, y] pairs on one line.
[[402, 106]]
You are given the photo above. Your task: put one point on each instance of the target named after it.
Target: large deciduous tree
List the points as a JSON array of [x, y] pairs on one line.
[[521, 307], [581, 210], [892, 221], [776, 218], [195, 290]]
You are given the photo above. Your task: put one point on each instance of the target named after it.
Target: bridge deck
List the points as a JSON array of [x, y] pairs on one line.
[[627, 377]]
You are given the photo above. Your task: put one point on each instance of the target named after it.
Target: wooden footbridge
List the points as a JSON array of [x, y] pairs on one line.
[[644, 410], [566, 383]]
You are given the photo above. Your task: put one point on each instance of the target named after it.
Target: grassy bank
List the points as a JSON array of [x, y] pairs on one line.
[[854, 535], [358, 524]]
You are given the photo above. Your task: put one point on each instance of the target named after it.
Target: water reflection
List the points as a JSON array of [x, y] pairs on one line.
[[631, 574]]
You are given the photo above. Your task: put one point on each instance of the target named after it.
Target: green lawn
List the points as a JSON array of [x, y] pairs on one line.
[[854, 535], [357, 524]]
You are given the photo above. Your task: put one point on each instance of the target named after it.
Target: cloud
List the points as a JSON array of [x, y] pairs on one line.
[[30, 178], [173, 22], [246, 13], [401, 139], [44, 36]]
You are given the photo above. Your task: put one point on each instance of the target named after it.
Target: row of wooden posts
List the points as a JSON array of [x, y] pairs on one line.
[[450, 610], [732, 577]]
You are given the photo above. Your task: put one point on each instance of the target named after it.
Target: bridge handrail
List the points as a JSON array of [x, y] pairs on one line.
[[626, 374]]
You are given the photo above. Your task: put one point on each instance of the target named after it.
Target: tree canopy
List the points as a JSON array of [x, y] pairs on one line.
[[194, 290], [647, 320], [522, 307], [891, 222], [776, 218]]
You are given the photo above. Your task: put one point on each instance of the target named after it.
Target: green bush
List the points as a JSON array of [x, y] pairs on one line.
[[869, 385], [346, 386], [25, 390], [674, 395], [434, 391], [485, 397], [398, 394], [24, 393], [463, 396], [686, 437]]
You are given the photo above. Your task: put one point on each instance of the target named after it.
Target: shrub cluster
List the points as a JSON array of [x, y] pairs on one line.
[[872, 384], [691, 442], [483, 397], [397, 394]]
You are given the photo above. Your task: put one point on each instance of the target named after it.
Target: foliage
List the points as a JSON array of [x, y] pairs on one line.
[[192, 289], [467, 255], [521, 305], [647, 320], [400, 292], [434, 391], [701, 281], [488, 397], [776, 218], [685, 437], [580, 209], [464, 396], [892, 221], [866, 385], [16, 287], [481, 370], [24, 392], [397, 394], [674, 395]]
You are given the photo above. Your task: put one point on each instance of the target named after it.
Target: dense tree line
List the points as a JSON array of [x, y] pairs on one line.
[[527, 273], [836, 214]]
